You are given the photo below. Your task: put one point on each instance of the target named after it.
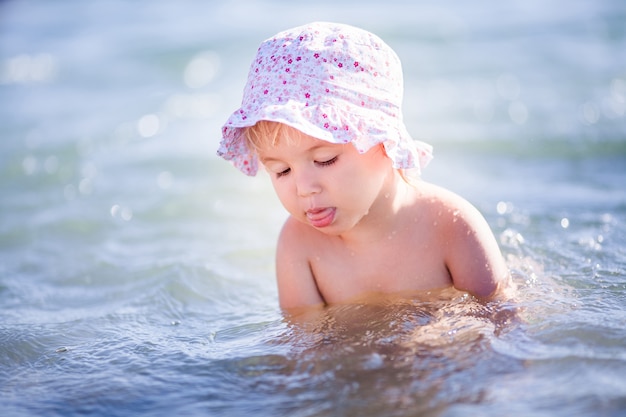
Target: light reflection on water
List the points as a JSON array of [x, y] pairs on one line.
[[136, 270]]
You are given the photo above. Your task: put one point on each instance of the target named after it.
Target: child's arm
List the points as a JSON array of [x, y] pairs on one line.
[[296, 283], [472, 254]]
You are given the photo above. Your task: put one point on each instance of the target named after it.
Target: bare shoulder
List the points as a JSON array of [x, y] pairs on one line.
[[446, 202], [448, 209], [468, 245], [296, 283], [297, 239]]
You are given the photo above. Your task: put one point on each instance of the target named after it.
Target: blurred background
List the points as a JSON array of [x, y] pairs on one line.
[[125, 240], [112, 110]]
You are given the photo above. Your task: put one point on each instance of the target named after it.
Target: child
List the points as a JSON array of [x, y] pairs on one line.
[[321, 111]]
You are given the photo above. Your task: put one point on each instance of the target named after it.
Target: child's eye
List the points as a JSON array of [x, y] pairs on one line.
[[283, 173], [328, 162]]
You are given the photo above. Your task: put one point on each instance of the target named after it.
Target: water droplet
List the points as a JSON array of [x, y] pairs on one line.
[[148, 125], [590, 113], [518, 112], [124, 213], [504, 207], [201, 70], [618, 89], [85, 187], [30, 165], [29, 68], [165, 180]]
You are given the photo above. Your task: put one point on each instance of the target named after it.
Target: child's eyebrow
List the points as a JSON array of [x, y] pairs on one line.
[[265, 160]]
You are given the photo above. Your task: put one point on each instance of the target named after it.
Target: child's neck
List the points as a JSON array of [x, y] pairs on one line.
[[385, 215]]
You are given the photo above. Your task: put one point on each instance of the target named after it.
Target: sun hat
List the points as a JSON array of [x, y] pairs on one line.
[[334, 82]]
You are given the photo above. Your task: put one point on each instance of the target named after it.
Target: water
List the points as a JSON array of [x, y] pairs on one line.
[[136, 268]]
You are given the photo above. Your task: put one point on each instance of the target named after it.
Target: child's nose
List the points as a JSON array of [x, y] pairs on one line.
[[307, 184]]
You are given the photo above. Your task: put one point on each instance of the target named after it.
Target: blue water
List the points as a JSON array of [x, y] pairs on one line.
[[136, 268]]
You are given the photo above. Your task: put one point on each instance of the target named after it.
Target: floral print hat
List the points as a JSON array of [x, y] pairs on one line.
[[331, 81]]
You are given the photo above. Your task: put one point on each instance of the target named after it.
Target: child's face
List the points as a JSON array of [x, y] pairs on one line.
[[328, 186]]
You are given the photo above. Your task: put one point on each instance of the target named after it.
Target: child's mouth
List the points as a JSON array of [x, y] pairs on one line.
[[321, 217]]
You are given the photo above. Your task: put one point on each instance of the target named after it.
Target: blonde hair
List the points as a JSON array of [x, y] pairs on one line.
[[264, 134]]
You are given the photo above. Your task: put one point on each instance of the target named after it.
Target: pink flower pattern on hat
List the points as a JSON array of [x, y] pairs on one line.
[[331, 81]]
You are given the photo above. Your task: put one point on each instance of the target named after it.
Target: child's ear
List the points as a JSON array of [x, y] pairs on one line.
[[383, 150]]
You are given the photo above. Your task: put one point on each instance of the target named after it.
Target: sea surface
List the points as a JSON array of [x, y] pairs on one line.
[[136, 267]]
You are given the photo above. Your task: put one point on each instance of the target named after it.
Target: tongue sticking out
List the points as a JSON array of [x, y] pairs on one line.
[[321, 217]]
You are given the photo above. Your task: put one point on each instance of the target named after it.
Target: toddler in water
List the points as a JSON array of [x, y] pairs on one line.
[[321, 111]]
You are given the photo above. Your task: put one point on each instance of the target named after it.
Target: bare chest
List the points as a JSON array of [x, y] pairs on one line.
[[381, 267]]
